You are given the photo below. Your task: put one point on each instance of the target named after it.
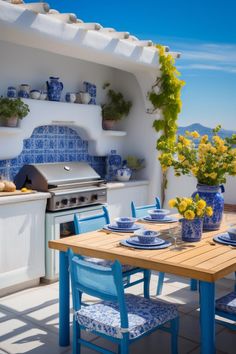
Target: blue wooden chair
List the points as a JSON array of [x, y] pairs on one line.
[[140, 212], [119, 318], [226, 308], [95, 222]]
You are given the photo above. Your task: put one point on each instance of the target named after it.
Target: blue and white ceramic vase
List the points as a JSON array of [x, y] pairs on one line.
[[214, 198], [192, 229], [54, 88], [11, 92], [113, 163], [124, 173], [92, 90]]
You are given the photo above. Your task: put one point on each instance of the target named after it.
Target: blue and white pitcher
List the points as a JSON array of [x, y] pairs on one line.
[[54, 87]]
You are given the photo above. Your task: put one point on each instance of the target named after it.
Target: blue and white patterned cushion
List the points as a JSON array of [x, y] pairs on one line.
[[106, 263], [227, 303], [143, 316]]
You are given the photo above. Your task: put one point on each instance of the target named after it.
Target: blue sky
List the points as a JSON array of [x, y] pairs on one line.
[[203, 31]]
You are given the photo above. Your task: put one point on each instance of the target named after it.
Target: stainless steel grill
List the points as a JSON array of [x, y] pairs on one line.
[[72, 184]]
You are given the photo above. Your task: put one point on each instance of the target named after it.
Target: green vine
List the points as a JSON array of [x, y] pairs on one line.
[[166, 96]]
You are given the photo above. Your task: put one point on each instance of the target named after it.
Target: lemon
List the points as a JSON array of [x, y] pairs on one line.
[[24, 189]]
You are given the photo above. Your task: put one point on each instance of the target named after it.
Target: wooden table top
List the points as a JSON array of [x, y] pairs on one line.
[[204, 260]]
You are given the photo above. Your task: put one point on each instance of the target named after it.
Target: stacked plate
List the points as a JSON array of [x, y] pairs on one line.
[[115, 228], [225, 239], [166, 219], [134, 242]]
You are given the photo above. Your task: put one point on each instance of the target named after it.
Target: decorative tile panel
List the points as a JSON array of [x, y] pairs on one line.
[[52, 143]]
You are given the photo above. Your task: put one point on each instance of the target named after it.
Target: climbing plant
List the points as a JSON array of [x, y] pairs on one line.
[[166, 96]]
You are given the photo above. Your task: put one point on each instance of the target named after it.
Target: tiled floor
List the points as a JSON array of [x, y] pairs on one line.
[[29, 322]]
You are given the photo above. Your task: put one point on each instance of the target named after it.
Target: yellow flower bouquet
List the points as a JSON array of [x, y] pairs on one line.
[[210, 160], [191, 208], [193, 211]]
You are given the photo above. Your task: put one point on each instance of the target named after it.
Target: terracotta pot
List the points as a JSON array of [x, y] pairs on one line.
[[11, 122], [108, 124]]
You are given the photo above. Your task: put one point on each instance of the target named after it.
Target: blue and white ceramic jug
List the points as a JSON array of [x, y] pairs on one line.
[[54, 87], [124, 173]]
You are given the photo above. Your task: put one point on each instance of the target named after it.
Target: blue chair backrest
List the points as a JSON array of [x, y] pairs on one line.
[[105, 283], [91, 223], [141, 211]]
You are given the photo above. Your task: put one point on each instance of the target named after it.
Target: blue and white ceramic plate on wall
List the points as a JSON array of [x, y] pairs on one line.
[[222, 238], [115, 228], [166, 219], [157, 247]]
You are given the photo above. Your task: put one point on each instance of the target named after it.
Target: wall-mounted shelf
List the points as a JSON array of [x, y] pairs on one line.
[[85, 119], [114, 133], [7, 131]]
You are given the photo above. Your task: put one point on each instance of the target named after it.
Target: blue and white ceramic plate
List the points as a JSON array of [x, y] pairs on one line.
[[135, 241], [166, 219], [226, 237], [158, 247], [220, 240], [115, 228]]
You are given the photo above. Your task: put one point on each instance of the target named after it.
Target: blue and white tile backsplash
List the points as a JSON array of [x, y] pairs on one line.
[[51, 143]]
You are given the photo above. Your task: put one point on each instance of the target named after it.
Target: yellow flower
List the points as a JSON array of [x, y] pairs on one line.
[[204, 139], [212, 175], [194, 170], [199, 212], [182, 206], [195, 134], [172, 203], [201, 204], [189, 215], [189, 201], [209, 211]]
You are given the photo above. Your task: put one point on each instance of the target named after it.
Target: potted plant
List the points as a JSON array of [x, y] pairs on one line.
[[210, 161], [115, 109], [11, 110], [193, 211]]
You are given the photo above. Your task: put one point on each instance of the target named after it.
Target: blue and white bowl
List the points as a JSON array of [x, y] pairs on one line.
[[232, 233], [146, 236], [125, 222], [158, 214]]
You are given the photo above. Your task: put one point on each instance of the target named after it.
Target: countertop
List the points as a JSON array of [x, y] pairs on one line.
[[13, 199], [129, 184]]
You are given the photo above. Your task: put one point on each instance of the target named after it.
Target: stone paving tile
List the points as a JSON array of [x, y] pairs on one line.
[[29, 321]]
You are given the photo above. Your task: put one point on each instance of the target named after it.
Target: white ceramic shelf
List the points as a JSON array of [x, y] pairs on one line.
[[6, 131], [114, 133], [85, 119]]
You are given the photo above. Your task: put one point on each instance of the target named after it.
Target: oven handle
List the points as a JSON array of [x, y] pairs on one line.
[[76, 191]]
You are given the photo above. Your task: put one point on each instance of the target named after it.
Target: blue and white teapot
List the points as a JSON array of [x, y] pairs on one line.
[[124, 173]]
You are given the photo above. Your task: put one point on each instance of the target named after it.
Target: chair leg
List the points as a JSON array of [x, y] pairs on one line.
[[76, 337], [146, 283], [193, 284], [174, 335], [124, 344], [235, 281], [160, 283]]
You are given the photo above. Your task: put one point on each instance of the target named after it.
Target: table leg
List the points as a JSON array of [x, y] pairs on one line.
[[64, 301], [207, 317]]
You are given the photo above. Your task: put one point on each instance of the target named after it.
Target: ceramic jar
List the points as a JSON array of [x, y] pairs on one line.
[[113, 163], [54, 88], [35, 94], [214, 198], [123, 174], [191, 229], [92, 90], [11, 92], [84, 97], [24, 91], [70, 97]]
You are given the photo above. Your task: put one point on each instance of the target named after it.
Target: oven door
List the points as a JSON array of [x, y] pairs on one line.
[[60, 224]]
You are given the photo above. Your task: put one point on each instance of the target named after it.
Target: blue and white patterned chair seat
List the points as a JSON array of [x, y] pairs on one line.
[[227, 303], [143, 315], [106, 263]]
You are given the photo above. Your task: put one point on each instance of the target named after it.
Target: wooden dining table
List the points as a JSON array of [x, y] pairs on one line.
[[205, 261]]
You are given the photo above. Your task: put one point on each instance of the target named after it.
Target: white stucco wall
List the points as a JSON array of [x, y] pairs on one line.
[[185, 186]]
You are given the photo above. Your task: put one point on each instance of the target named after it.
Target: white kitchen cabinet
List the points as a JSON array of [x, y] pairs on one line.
[[22, 240], [121, 194]]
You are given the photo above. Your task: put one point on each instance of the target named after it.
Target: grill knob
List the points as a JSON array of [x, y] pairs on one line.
[[81, 199], [94, 197], [72, 200], [64, 201]]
